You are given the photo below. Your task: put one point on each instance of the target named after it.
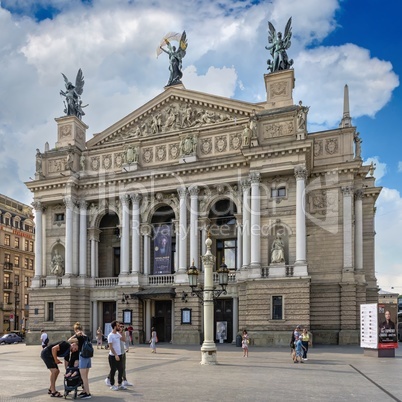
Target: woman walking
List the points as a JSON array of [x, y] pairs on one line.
[[84, 363], [305, 342], [153, 340], [244, 343]]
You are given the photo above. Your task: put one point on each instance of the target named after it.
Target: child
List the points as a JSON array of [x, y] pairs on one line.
[[298, 350], [244, 343]]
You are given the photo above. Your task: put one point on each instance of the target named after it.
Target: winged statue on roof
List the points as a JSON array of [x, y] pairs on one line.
[[73, 103], [278, 45], [176, 55]]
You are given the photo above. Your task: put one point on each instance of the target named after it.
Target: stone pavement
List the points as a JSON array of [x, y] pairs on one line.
[[174, 373]]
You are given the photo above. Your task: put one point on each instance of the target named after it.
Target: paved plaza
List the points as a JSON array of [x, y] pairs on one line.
[[174, 373]]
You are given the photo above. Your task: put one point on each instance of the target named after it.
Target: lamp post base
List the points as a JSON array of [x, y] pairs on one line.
[[208, 357]]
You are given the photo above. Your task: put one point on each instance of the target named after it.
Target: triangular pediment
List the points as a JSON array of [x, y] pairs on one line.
[[175, 110]]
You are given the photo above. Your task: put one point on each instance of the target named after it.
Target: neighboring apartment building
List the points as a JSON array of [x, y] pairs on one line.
[[121, 217], [17, 246]]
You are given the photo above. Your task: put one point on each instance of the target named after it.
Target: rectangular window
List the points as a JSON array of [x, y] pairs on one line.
[[49, 311], [277, 307], [26, 300], [31, 266], [17, 242], [7, 221], [17, 261], [26, 263], [7, 257], [27, 282], [227, 250], [7, 282], [6, 298], [59, 217], [7, 240], [26, 245], [31, 246], [278, 192]]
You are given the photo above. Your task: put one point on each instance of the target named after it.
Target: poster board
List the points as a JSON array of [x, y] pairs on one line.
[[369, 326]]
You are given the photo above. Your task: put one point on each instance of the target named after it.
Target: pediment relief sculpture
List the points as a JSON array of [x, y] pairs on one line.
[[173, 116]]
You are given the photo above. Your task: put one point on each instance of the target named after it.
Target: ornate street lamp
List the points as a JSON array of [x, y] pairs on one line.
[[207, 295]]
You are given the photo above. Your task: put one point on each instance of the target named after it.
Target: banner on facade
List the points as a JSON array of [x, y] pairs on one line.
[[162, 249]]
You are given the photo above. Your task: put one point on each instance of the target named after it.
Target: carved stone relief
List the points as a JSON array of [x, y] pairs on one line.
[[279, 89], [161, 153], [275, 130], [148, 155], [235, 141], [56, 165], [107, 161], [118, 159], [221, 143], [206, 145], [331, 146], [95, 162], [322, 201], [317, 147], [174, 151], [65, 131]]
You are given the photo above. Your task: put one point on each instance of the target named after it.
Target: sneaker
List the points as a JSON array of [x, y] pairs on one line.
[[114, 388], [86, 396], [107, 382], [305, 359], [121, 386], [126, 383]]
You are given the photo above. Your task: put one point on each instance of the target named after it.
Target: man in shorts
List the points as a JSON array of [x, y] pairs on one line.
[[50, 355]]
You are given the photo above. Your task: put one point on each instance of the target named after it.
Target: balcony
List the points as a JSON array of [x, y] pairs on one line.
[[8, 266], [6, 306], [7, 286]]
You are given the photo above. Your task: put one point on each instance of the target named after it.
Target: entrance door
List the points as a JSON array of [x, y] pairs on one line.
[[108, 315], [224, 316], [163, 320]]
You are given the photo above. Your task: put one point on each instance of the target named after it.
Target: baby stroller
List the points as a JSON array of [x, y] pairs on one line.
[[72, 380]]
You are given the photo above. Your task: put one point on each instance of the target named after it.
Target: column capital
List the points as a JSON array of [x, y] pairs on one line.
[[124, 199], [83, 204], [359, 193], [182, 191], [69, 202], [37, 205], [300, 172], [255, 178], [146, 229], [347, 191], [245, 184], [194, 191], [135, 198]]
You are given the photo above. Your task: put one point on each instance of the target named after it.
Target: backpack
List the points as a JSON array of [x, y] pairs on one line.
[[87, 349]]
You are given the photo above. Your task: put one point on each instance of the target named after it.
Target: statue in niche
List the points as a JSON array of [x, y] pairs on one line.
[[57, 264], [277, 250], [253, 125], [82, 162], [70, 160], [73, 104], [38, 162], [188, 145], [175, 55], [131, 154], [246, 135], [278, 46]]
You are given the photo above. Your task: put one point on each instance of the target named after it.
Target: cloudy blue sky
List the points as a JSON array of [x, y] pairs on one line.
[[114, 42]]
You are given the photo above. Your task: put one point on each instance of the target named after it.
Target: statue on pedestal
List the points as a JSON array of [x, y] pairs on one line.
[[278, 46], [73, 103], [175, 55]]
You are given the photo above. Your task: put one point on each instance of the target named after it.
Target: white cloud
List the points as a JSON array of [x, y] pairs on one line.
[[380, 168]]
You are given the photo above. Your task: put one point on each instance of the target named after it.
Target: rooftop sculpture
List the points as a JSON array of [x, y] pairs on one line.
[[278, 46], [73, 103], [175, 55]]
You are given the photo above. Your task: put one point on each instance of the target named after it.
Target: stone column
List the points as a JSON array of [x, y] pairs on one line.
[[69, 203], [235, 318], [208, 348], [135, 234], [183, 230], [38, 238], [301, 175], [359, 229], [194, 252], [239, 230], [76, 240], [175, 228], [125, 235], [94, 239], [94, 319], [83, 238], [148, 315], [146, 232], [246, 223], [347, 229], [255, 229]]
